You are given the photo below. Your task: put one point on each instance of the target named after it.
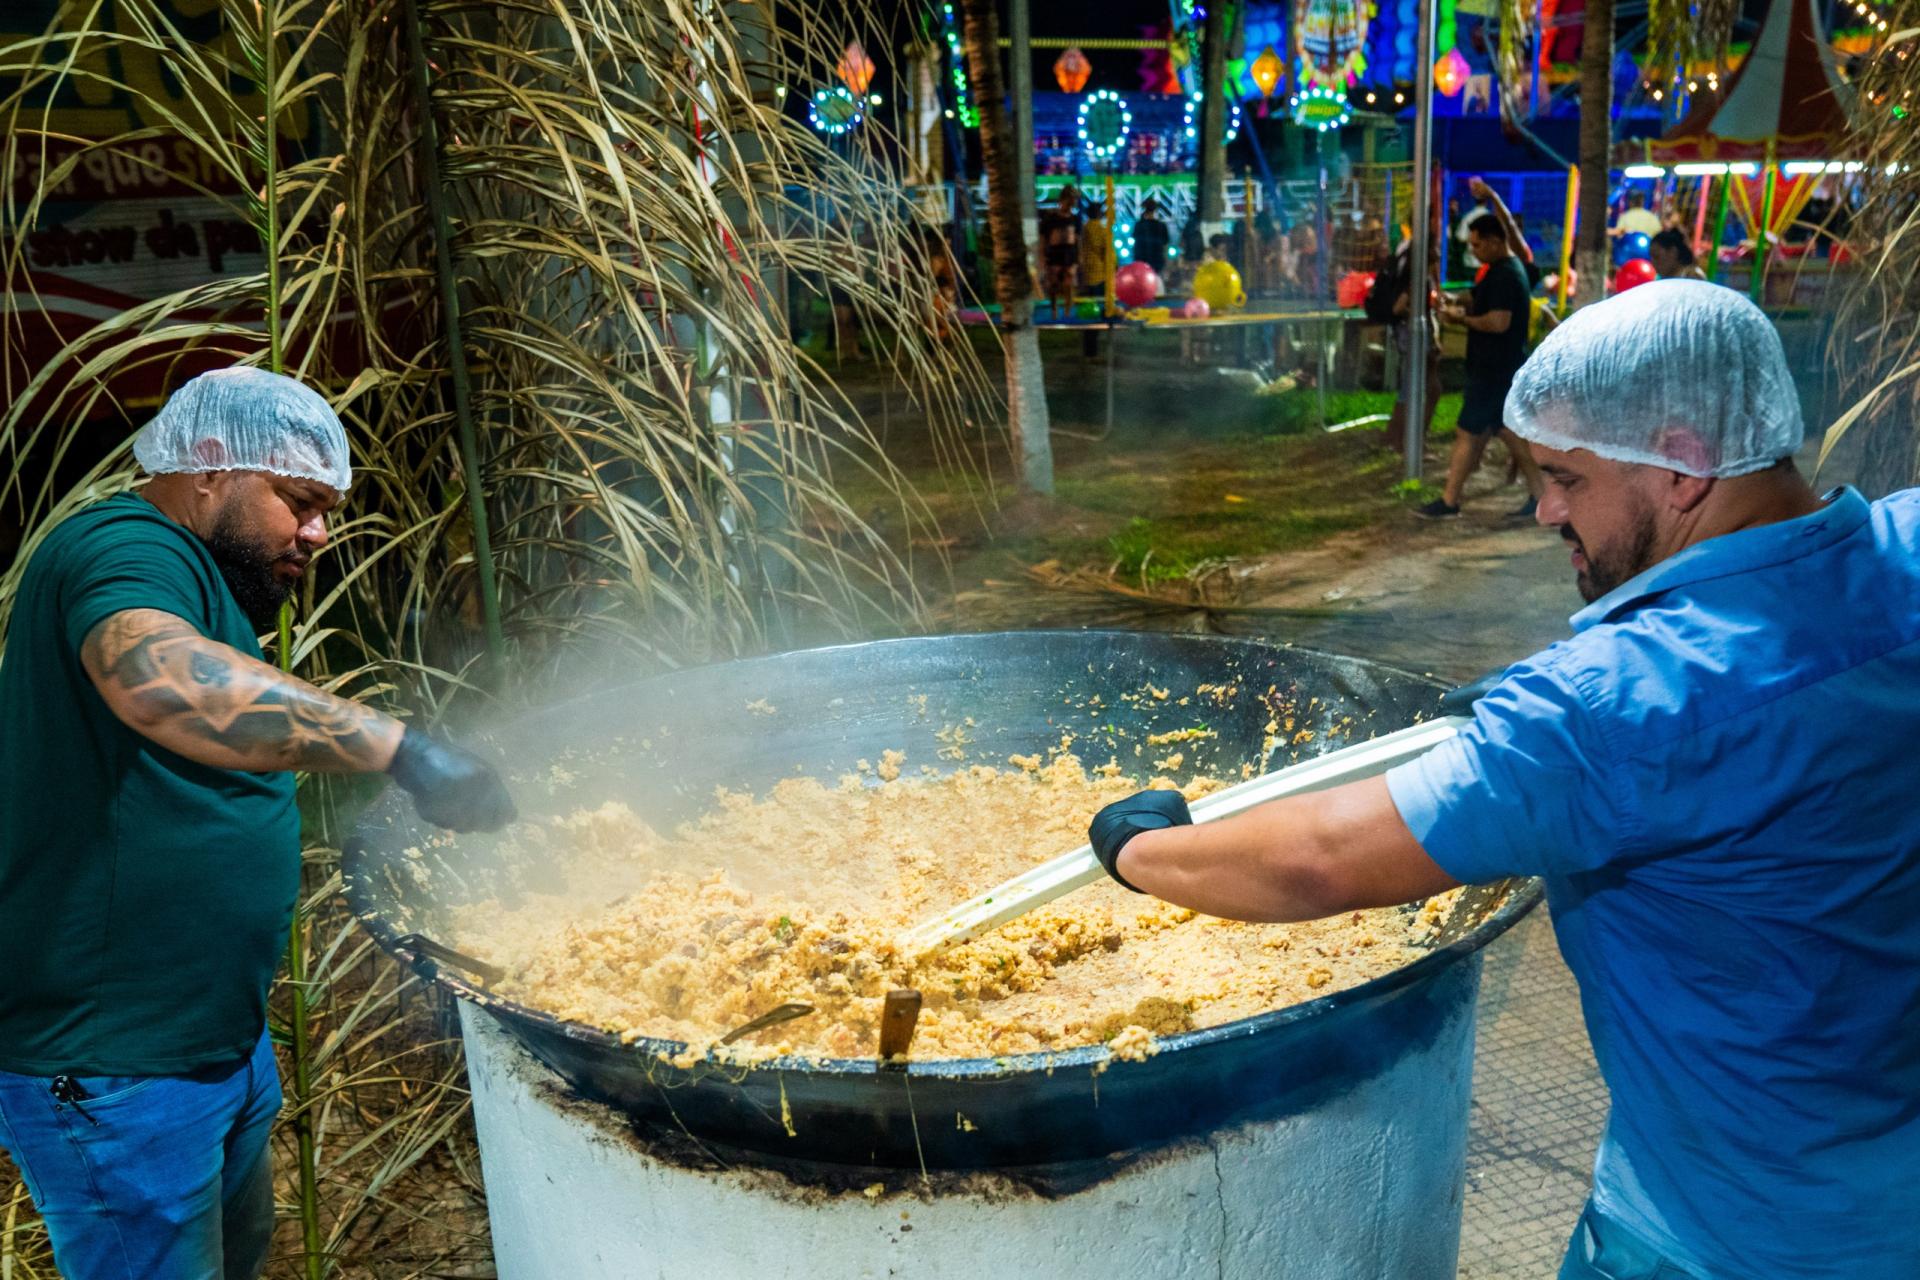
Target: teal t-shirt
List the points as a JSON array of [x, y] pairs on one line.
[[144, 898]]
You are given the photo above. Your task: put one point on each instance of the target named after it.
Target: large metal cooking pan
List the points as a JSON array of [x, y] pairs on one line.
[[663, 743]]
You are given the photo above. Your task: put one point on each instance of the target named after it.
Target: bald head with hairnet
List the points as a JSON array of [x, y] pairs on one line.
[[1678, 374], [246, 419], [252, 463]]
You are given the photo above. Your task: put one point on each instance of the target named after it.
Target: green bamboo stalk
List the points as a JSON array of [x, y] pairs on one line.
[[1719, 227], [429, 145], [1762, 247], [302, 1119], [312, 1244]]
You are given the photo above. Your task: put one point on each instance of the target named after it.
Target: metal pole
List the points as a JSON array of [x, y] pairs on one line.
[[1570, 220], [1323, 233], [1109, 308], [1020, 86], [1113, 358], [1415, 395]]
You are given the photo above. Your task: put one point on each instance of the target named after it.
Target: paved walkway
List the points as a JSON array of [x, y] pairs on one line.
[[1458, 598]]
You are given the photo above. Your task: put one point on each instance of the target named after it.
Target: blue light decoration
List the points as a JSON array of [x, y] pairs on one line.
[[1104, 123], [1403, 30], [1191, 120], [1320, 107], [835, 110], [963, 108]]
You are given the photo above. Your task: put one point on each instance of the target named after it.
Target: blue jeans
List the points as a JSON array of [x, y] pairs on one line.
[[150, 1177], [1602, 1250]]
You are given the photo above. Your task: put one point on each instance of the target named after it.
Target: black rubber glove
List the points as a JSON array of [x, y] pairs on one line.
[[1122, 820], [451, 787]]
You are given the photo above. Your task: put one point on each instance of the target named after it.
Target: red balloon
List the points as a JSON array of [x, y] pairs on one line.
[[1136, 285], [1352, 289], [1634, 271]]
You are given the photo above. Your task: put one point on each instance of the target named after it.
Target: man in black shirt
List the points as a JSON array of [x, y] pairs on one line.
[[1151, 237], [1060, 250], [1495, 318]]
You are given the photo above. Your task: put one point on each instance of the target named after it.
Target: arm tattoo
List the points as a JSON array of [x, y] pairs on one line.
[[208, 672], [211, 703]]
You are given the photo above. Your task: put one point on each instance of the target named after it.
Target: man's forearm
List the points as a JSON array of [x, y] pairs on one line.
[[215, 705], [1238, 868], [1299, 858]]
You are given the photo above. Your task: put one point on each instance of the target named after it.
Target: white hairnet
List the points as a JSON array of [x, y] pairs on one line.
[[1679, 374], [246, 419]]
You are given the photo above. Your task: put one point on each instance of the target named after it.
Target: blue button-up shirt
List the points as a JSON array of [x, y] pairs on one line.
[[1718, 778]]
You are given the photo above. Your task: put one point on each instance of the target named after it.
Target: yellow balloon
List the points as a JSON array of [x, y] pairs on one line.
[[1218, 285]]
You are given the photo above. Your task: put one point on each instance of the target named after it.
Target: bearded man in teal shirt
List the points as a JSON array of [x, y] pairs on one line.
[[149, 839]]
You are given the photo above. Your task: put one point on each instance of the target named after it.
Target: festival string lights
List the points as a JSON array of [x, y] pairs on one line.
[[1191, 119], [963, 107], [835, 109], [1320, 107], [1104, 123]]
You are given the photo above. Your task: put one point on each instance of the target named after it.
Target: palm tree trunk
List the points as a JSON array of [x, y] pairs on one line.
[[1213, 123], [1591, 257], [1012, 278]]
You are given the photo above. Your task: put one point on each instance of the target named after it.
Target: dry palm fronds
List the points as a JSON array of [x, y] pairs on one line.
[[628, 201], [1681, 33], [1875, 345]]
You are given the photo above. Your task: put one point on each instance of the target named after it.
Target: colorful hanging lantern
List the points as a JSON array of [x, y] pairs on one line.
[[1266, 71], [1330, 40], [855, 69], [1070, 71], [1450, 72]]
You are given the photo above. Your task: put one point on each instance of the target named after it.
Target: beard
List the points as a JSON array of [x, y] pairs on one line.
[[248, 569], [1609, 567]]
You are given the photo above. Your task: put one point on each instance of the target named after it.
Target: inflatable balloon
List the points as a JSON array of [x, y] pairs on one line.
[[1136, 284], [1353, 288], [1552, 282], [1632, 247], [1633, 272], [1196, 309], [1218, 285]]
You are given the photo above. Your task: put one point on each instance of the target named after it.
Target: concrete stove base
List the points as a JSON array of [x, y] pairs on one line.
[[1366, 1186]]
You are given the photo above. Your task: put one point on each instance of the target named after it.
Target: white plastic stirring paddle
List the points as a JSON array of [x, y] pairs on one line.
[[1070, 871]]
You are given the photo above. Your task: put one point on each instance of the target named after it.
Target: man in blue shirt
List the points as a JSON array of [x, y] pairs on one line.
[[1714, 778]]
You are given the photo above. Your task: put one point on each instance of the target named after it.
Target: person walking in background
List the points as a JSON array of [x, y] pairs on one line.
[[1495, 318], [1096, 252], [1636, 217], [1060, 251], [1390, 302], [945, 275], [1672, 256], [1266, 255], [1304, 256], [1151, 238]]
